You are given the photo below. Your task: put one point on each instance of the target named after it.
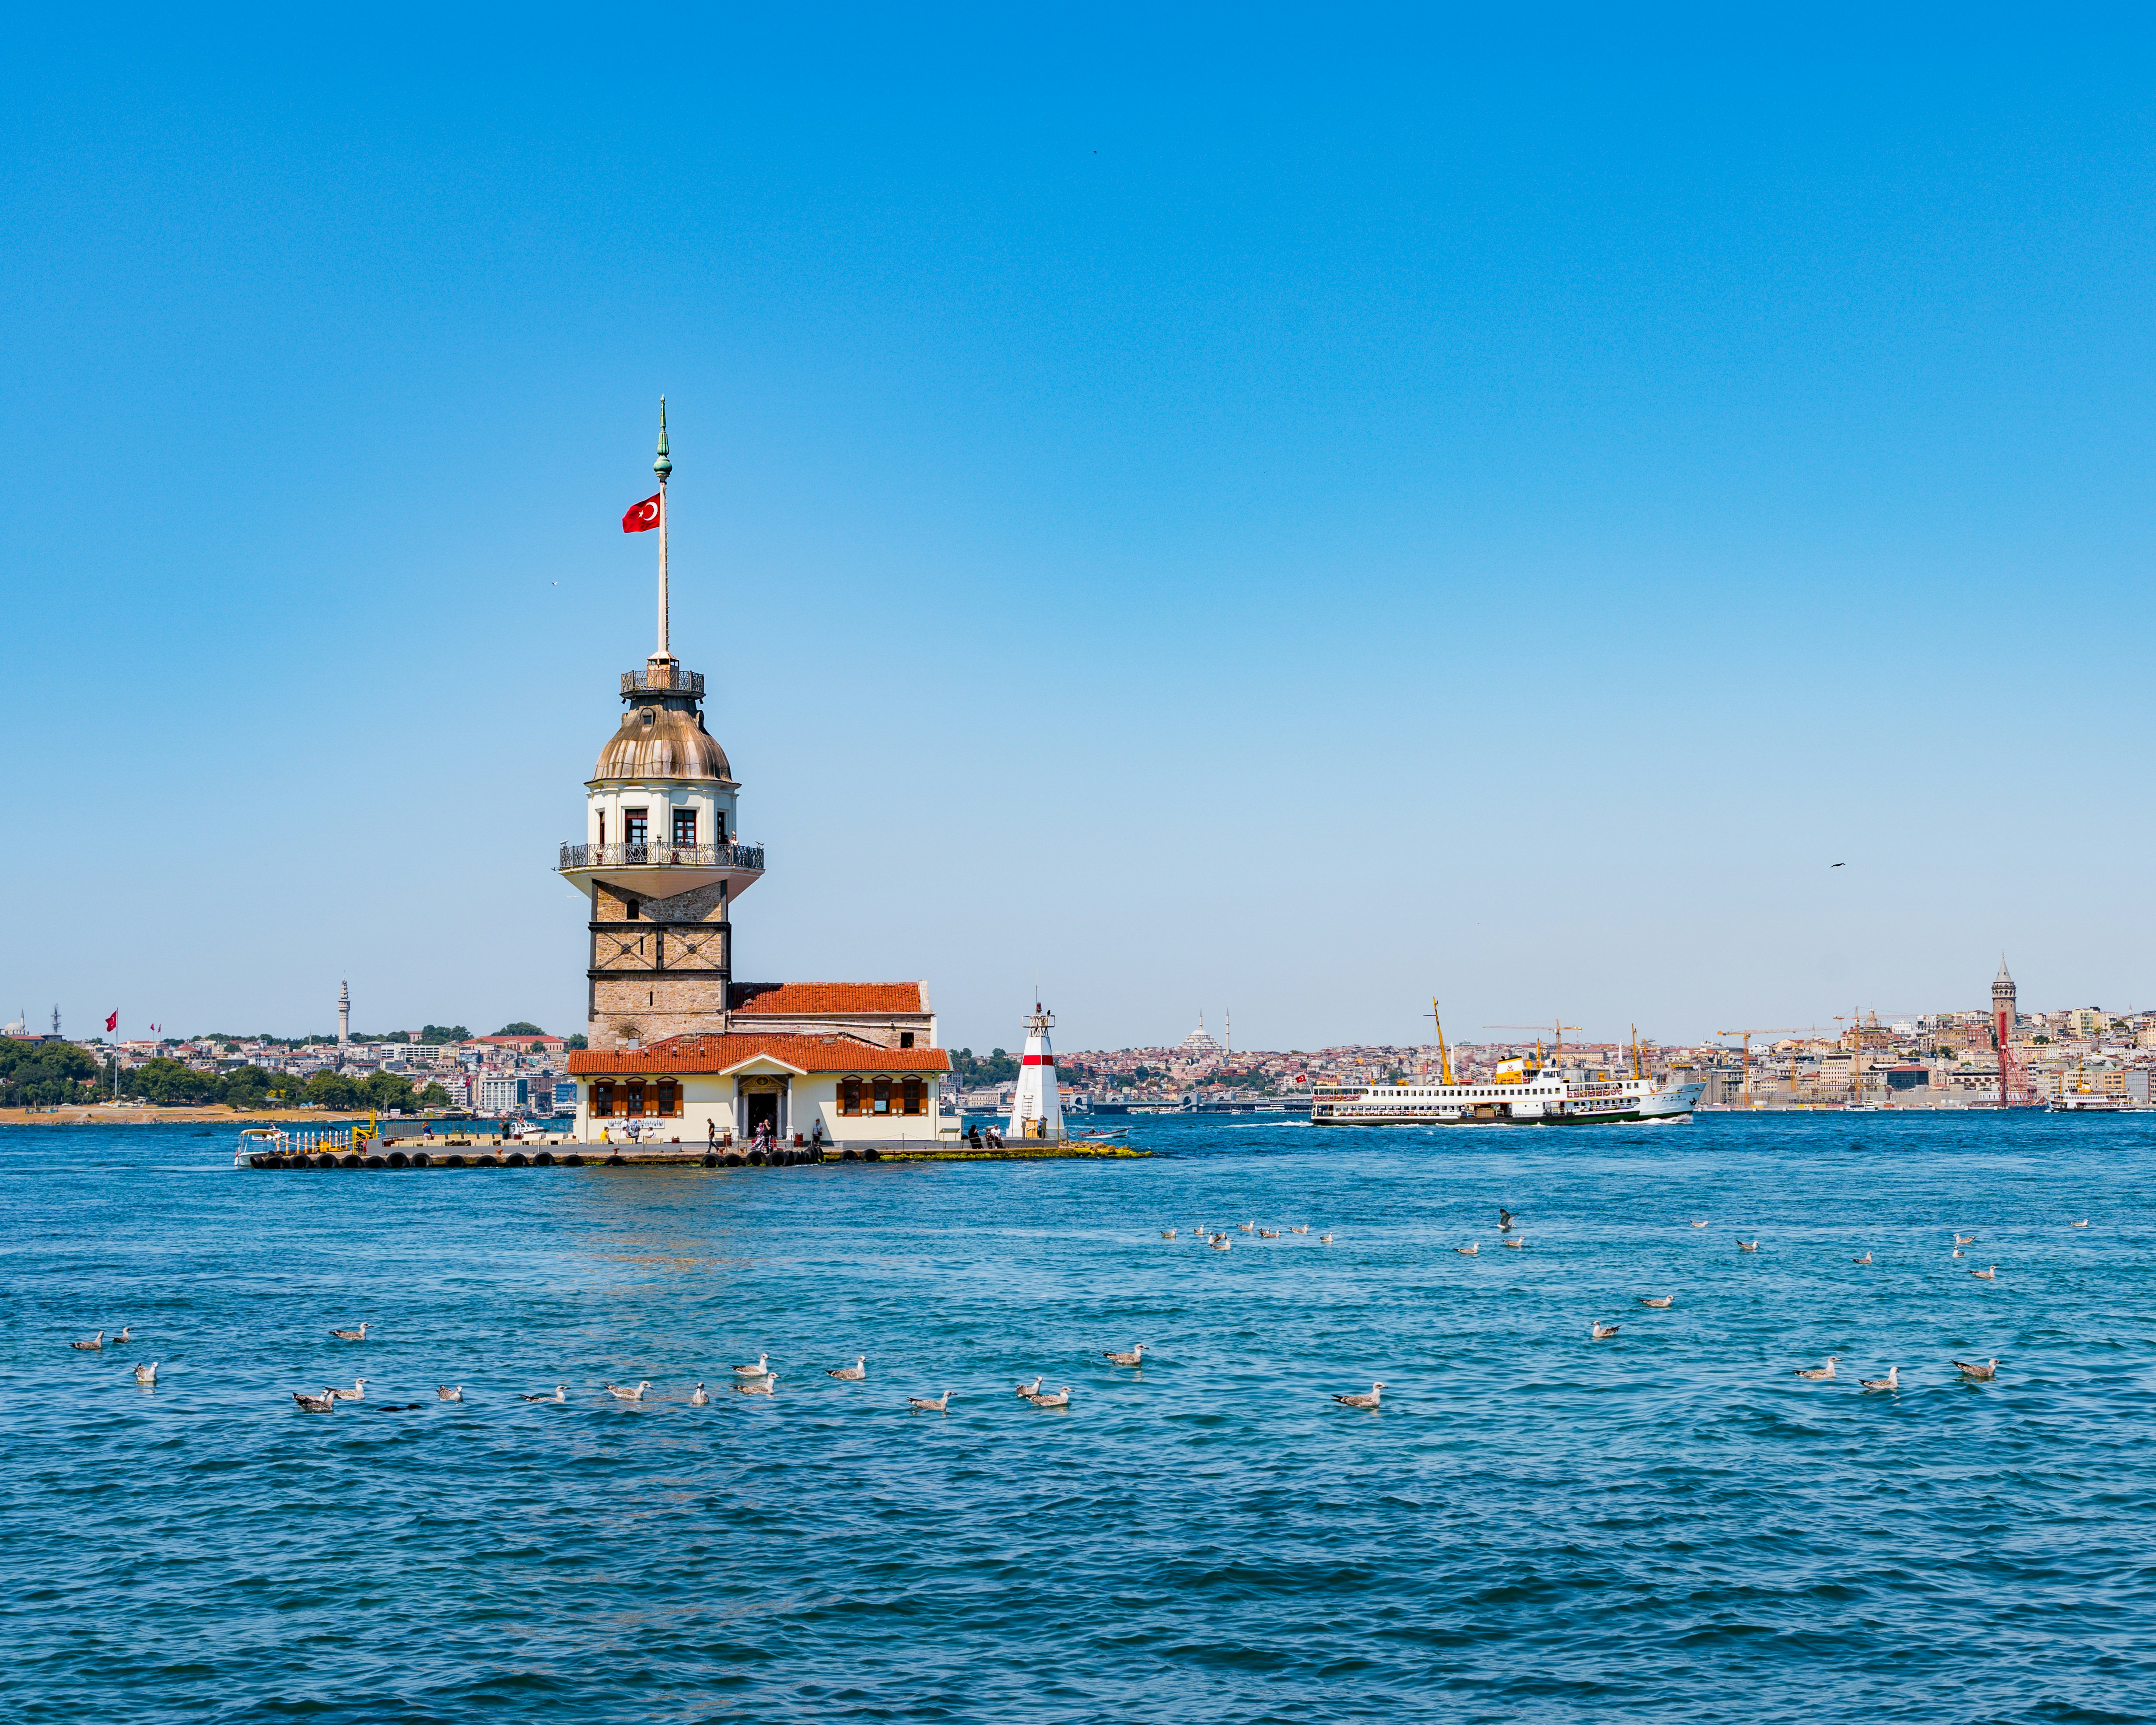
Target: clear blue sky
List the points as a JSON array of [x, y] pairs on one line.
[[1239, 508]]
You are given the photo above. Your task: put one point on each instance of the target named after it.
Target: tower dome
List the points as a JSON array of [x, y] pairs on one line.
[[662, 734]]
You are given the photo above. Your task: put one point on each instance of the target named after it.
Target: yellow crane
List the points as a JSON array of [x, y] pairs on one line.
[[1557, 1045], [1444, 1058], [1765, 1030]]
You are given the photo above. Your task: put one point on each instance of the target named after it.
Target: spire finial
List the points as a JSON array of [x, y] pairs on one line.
[[663, 466]]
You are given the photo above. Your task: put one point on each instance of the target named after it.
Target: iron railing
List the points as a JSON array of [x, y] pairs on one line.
[[676, 681], [747, 857]]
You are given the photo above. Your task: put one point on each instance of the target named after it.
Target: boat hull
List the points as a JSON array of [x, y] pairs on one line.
[[1650, 1108]]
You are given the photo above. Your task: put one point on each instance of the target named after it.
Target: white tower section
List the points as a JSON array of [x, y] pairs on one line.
[[344, 1014], [1036, 1109]]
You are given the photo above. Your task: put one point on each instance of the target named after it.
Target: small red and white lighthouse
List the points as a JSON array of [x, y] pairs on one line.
[[1036, 1109]]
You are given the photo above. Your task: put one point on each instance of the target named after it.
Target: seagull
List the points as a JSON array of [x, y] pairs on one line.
[[1467, 1251], [1699, 1224], [764, 1385], [449, 1393], [1748, 1245], [1248, 1227], [357, 1393], [1133, 1358], [357, 1335], [940, 1402], [1515, 1244], [1221, 1243], [697, 1398], [1168, 1234], [1964, 1240], [619, 1394], [1601, 1331], [1325, 1240], [147, 1375], [1062, 1399], [1982, 1375], [126, 1331], [1990, 1274], [1837, 865], [1030, 1389], [323, 1404], [1504, 1220], [853, 1374], [1305, 1228], [1361, 1401], [1660, 1302], [1957, 1252], [1817, 1373], [2083, 1223], [1892, 1380], [761, 1368], [1865, 1259], [95, 1345], [1273, 1233], [560, 1394]]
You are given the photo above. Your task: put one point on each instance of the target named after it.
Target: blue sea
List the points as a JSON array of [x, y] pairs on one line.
[[1666, 1526]]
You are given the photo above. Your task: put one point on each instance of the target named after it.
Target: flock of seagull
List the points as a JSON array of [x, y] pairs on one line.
[[758, 1378]]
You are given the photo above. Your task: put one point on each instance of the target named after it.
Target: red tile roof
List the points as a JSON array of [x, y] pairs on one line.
[[719, 1053], [806, 998]]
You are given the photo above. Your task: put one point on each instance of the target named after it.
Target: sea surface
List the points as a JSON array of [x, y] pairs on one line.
[[1666, 1526]]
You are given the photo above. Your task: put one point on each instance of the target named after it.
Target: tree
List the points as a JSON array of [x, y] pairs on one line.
[[439, 1033], [40, 1073], [522, 1027], [578, 1041], [434, 1097]]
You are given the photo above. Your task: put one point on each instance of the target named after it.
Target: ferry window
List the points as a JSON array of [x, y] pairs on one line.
[[634, 825], [685, 826], [912, 1096], [850, 1096], [603, 1099], [883, 1096]]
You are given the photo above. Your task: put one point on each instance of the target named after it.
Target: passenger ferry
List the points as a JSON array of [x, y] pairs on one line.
[[1521, 1092]]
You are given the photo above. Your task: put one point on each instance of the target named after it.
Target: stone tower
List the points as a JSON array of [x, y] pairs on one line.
[[344, 1014], [661, 861], [2002, 1005]]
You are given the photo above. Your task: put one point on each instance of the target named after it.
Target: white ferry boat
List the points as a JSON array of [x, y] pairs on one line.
[[1521, 1092]]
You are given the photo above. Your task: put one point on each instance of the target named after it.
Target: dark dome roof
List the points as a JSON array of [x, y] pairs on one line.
[[659, 741]]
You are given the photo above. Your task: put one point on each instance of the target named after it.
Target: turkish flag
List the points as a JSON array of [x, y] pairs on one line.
[[112, 1021], [644, 516]]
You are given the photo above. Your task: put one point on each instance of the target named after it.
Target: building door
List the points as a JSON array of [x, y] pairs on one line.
[[762, 1112]]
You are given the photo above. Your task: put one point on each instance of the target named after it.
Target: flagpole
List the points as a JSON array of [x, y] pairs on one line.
[[663, 467]]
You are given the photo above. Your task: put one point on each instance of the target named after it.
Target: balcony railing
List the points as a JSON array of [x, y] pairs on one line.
[[676, 681], [747, 857]]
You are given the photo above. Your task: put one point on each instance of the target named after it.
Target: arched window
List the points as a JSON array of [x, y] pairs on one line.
[[912, 1096], [883, 1096], [670, 1096], [628, 909], [635, 1089], [849, 1095]]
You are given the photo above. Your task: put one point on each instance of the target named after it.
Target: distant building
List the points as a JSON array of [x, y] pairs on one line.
[[504, 1095]]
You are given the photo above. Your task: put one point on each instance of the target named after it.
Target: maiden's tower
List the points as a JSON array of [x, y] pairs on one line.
[[680, 1049]]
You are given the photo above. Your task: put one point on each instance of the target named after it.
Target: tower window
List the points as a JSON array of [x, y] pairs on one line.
[[629, 911], [603, 826], [719, 822], [634, 826], [905, 1038], [685, 826]]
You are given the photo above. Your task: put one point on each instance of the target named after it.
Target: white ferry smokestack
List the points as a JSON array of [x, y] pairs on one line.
[[1036, 1107]]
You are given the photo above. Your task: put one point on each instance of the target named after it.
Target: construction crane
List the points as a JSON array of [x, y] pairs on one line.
[[1765, 1030], [1557, 1045]]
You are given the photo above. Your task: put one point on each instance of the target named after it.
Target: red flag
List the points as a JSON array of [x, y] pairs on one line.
[[644, 516], [112, 1022]]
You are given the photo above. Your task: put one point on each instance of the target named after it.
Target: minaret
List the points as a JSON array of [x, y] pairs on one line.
[[344, 1015], [661, 861], [1036, 1108], [56, 1022]]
